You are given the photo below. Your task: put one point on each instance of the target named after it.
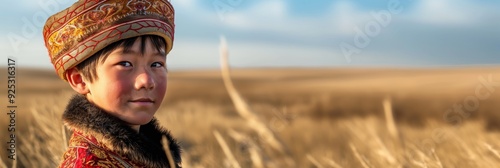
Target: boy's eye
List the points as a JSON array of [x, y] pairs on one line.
[[157, 64], [125, 64]]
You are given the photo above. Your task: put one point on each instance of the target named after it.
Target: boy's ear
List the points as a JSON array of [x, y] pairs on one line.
[[75, 80]]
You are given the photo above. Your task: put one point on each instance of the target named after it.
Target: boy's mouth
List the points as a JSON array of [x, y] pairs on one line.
[[143, 100]]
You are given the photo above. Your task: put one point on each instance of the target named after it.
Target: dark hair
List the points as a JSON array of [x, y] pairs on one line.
[[88, 68]]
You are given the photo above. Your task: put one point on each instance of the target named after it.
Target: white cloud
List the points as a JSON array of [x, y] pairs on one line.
[[266, 55], [193, 54], [343, 13], [263, 13], [30, 54], [250, 54], [274, 17], [183, 3], [445, 12], [29, 5], [345, 17]]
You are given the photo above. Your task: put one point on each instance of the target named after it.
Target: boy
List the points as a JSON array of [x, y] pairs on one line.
[[113, 53]]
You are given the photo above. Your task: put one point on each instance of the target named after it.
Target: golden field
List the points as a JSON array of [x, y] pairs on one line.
[[337, 117]]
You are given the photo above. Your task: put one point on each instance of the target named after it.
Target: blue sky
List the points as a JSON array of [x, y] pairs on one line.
[[300, 33]]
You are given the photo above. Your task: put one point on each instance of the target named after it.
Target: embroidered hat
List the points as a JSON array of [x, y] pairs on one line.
[[78, 32]]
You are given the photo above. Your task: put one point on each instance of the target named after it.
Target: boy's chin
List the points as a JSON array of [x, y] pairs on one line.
[[140, 119]]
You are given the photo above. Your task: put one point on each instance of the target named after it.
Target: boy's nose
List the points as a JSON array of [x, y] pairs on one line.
[[144, 80]]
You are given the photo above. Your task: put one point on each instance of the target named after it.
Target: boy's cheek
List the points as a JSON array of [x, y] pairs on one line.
[[162, 88], [162, 80]]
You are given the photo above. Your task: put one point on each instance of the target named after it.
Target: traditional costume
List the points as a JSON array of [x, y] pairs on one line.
[[75, 34], [102, 140]]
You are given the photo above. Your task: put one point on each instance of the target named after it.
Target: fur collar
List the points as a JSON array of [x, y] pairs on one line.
[[144, 147]]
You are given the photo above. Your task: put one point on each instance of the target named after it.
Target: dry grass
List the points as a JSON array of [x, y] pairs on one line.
[[243, 109], [325, 117]]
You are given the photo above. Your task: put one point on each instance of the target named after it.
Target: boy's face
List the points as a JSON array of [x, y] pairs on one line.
[[131, 85]]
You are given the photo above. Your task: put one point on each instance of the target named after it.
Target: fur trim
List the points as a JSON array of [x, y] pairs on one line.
[[144, 147]]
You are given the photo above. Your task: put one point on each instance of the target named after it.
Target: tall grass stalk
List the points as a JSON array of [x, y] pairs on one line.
[[253, 149], [383, 151], [438, 161], [14, 163], [492, 150], [2, 164], [242, 107], [64, 137], [226, 150], [360, 158], [332, 163], [314, 161], [166, 147], [389, 118]]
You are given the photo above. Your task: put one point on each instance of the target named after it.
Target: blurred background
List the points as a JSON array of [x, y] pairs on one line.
[[337, 83]]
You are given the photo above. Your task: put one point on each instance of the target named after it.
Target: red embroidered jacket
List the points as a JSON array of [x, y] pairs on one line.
[[84, 151]]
